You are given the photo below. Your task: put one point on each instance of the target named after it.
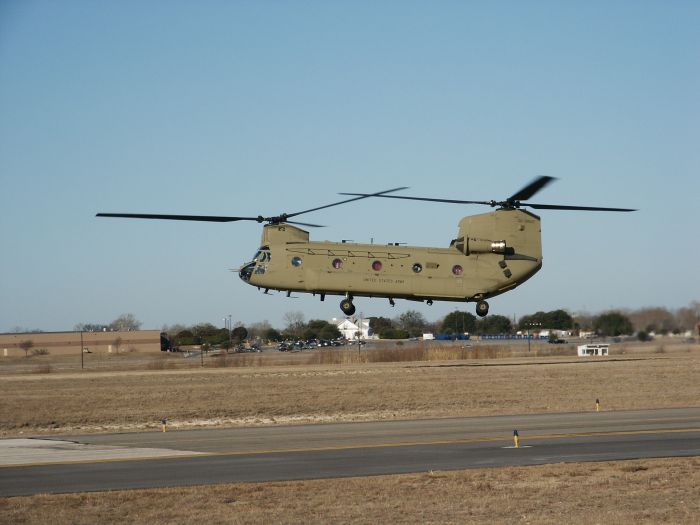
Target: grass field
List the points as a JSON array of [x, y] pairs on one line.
[[259, 389], [99, 401], [625, 492]]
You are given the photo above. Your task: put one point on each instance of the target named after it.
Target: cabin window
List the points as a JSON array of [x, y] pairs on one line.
[[337, 264], [418, 267], [457, 269], [296, 261], [377, 265]]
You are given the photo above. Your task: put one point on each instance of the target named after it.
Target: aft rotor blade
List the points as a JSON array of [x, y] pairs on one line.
[[532, 188], [305, 224], [452, 201], [359, 197], [202, 218], [578, 208]]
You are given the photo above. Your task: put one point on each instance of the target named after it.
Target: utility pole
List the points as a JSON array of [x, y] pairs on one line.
[[82, 364]]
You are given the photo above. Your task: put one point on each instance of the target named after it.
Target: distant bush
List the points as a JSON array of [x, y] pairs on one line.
[[643, 336], [40, 351]]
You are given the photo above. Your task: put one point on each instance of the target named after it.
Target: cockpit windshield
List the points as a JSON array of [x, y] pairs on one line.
[[262, 255]]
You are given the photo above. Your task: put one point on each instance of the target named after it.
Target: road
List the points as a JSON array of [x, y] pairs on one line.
[[196, 457]]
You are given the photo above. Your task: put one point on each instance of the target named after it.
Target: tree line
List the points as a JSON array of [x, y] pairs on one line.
[[643, 321]]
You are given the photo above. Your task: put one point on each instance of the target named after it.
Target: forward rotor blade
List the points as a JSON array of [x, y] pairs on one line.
[[359, 197], [452, 201], [532, 188], [578, 208], [202, 218]]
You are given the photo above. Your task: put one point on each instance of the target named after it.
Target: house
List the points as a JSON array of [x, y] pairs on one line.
[[350, 326]]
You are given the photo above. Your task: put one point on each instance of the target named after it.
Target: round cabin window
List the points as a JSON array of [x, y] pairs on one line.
[[337, 264], [418, 267], [296, 261], [457, 269], [376, 266]]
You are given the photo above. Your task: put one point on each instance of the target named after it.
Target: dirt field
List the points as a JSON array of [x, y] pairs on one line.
[[257, 389]]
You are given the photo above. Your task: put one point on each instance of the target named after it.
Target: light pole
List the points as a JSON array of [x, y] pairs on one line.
[[230, 330], [359, 337], [229, 327], [529, 326]]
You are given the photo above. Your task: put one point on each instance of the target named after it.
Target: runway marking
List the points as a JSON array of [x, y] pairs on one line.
[[491, 439]]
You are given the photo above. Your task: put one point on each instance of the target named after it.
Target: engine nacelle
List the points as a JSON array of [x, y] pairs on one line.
[[502, 232]]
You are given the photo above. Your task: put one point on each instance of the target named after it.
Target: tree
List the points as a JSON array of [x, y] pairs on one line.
[[458, 323], [184, 337], [90, 327], [117, 343], [688, 316], [239, 334], [494, 324], [125, 323], [26, 345], [394, 333], [556, 319], [382, 326], [295, 323], [329, 331], [273, 335], [259, 329], [319, 329], [652, 319], [612, 324], [412, 322]]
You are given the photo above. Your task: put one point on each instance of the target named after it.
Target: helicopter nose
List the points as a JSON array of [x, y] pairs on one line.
[[246, 271]]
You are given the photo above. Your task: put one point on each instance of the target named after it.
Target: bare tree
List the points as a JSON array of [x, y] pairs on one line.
[[125, 323], [117, 343], [294, 322], [26, 345], [688, 316], [259, 329]]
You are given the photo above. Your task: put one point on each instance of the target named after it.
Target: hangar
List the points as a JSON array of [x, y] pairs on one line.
[[68, 343]]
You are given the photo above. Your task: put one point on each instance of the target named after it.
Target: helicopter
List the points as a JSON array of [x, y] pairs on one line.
[[493, 253]]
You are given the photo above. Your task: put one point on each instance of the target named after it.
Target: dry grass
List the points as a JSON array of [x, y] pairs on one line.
[[240, 394], [436, 381], [632, 492]]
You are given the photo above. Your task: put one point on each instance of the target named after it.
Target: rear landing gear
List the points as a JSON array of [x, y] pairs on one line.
[[482, 308], [347, 307]]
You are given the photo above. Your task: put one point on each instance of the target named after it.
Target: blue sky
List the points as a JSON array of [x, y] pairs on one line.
[[246, 108]]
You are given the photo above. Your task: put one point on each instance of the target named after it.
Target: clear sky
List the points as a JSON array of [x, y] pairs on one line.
[[247, 108]]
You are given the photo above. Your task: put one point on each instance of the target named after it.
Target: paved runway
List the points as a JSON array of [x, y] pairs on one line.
[[194, 457]]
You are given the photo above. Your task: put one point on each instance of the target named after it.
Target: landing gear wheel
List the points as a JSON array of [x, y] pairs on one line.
[[347, 307], [482, 308]]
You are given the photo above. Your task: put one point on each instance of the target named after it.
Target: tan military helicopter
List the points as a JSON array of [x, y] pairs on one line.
[[493, 253]]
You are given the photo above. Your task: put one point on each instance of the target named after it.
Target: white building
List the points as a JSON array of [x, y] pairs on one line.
[[593, 349], [350, 326]]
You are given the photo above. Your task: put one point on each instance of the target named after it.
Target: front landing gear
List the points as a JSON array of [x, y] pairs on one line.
[[347, 307], [482, 308]]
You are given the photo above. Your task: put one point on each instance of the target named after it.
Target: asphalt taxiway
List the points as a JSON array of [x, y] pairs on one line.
[[254, 454]]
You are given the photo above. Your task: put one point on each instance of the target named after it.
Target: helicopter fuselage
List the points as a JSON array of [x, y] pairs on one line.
[[493, 253]]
